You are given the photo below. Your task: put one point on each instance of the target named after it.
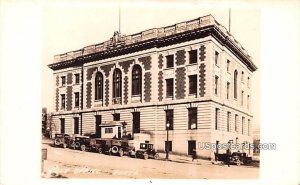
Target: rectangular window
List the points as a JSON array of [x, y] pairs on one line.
[[169, 83], [63, 101], [242, 77], [216, 58], [63, 81], [77, 79], [170, 119], [217, 118], [136, 122], [248, 101], [193, 84], [98, 126], [108, 130], [228, 90], [228, 66], [116, 117], [76, 99], [249, 127], [216, 84], [62, 125], [168, 146], [193, 56], [192, 118], [235, 122], [248, 82], [228, 121], [76, 125], [243, 123], [242, 98], [170, 61]]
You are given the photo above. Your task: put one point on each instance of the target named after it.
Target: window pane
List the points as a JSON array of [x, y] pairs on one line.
[[169, 83], [193, 56], [193, 84], [170, 61]]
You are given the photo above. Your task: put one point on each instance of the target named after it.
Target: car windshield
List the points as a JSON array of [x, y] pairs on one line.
[[143, 146]]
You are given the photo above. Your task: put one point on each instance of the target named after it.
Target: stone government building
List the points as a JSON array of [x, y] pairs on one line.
[[193, 75]]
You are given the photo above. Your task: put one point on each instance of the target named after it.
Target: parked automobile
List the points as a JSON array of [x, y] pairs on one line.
[[63, 140], [120, 147], [239, 158], [146, 151], [80, 142], [96, 145]]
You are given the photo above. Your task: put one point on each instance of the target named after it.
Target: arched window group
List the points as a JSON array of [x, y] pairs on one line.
[[136, 83], [99, 86]]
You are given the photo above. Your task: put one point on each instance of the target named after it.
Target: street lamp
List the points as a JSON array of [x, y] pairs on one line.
[[167, 147]]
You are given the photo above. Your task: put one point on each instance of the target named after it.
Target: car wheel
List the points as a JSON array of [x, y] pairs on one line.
[[65, 145], [146, 156], [121, 153], [156, 156], [57, 142], [83, 148], [238, 162], [114, 149], [100, 150]]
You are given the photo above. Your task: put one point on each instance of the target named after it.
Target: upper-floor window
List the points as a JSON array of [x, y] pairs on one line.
[[235, 83], [248, 82], [249, 126], [193, 56], [63, 81], [99, 86], [170, 61], [216, 85], [217, 118], [193, 84], [242, 78], [242, 98], [63, 101], [76, 99], [170, 119], [192, 118], [169, 83], [248, 101], [228, 121], [77, 78], [216, 58], [117, 83], [235, 122], [228, 91], [228, 66], [136, 80], [243, 124]]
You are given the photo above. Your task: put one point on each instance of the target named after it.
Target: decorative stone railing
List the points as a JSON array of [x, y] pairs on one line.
[[148, 35]]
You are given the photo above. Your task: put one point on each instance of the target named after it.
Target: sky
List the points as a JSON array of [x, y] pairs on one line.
[[72, 27]]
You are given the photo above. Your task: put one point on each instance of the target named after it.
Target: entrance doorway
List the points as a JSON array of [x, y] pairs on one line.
[[136, 122], [191, 146]]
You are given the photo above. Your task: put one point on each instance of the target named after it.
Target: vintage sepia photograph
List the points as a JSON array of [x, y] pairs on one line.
[[150, 92]]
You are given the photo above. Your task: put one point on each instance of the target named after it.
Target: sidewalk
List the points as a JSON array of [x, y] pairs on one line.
[[183, 159]]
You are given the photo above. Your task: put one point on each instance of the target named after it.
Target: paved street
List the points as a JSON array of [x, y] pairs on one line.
[[68, 163]]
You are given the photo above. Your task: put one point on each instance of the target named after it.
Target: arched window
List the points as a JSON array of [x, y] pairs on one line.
[[99, 86], [235, 83], [136, 80], [117, 83]]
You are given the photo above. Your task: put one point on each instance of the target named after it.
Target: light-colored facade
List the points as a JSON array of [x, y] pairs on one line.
[[193, 75]]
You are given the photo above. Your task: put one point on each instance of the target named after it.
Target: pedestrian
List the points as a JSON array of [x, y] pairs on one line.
[[228, 157], [194, 154]]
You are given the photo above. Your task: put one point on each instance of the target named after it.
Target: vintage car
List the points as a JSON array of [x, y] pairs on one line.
[[96, 145], [146, 151], [80, 142], [239, 158], [63, 140], [119, 147]]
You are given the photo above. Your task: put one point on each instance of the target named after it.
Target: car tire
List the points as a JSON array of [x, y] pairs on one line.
[[114, 149], [57, 142], [146, 156], [121, 153], [100, 150], [156, 156], [64, 145], [83, 148]]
